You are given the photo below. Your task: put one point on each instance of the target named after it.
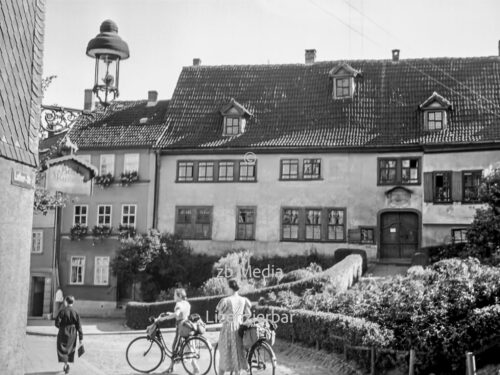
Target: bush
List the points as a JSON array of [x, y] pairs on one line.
[[429, 309], [295, 275], [323, 329], [342, 253], [235, 264], [215, 286]]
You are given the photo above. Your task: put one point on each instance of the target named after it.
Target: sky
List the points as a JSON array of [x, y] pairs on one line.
[[165, 35]]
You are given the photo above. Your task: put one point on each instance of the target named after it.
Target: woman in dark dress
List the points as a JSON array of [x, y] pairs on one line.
[[68, 322]]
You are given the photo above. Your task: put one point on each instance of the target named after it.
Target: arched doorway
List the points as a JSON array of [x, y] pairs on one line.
[[399, 234]]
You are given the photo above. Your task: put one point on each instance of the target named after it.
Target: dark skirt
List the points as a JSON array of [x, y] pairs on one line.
[[66, 343]]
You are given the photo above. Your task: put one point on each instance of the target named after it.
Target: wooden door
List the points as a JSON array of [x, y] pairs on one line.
[[38, 295], [398, 234]]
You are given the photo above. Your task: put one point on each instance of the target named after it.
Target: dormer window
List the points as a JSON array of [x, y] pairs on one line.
[[343, 76], [232, 125], [235, 116], [435, 110]]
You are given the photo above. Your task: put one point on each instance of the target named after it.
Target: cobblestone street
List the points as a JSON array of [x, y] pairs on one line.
[[105, 354]]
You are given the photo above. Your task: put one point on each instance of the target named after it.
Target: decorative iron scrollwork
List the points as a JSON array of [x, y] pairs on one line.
[[56, 120]]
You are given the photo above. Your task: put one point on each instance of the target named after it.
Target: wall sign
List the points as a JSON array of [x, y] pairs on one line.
[[22, 179], [62, 178]]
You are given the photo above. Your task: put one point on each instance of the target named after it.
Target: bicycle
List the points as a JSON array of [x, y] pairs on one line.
[[260, 357], [146, 353]]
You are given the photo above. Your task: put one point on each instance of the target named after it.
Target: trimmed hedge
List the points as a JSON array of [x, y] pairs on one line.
[[137, 313], [340, 276], [293, 262], [319, 329], [342, 253]]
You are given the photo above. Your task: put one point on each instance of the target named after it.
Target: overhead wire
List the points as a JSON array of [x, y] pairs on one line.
[[471, 100]]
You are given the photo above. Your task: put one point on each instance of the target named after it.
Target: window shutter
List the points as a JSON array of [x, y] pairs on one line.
[[456, 186], [428, 187], [354, 235]]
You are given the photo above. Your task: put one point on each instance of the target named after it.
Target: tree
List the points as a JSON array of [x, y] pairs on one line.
[[483, 236], [159, 261]]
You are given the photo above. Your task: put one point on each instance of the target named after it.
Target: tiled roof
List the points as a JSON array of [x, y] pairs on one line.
[[123, 124], [21, 47], [292, 105]]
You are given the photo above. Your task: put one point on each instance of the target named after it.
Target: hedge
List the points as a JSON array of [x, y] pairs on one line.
[[342, 253], [341, 276], [137, 313], [328, 331]]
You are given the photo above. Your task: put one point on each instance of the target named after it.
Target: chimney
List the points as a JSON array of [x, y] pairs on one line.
[[310, 56], [152, 96], [196, 62], [395, 55], [88, 103]]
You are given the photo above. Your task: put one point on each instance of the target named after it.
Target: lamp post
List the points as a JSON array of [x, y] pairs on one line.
[[108, 49]]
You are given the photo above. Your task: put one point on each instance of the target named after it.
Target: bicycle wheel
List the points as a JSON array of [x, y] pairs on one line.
[[144, 354], [196, 354], [261, 359], [216, 358]]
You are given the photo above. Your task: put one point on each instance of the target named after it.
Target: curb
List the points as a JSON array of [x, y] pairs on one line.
[[112, 333]]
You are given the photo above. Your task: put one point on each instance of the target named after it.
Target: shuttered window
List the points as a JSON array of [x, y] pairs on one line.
[[471, 180], [448, 186]]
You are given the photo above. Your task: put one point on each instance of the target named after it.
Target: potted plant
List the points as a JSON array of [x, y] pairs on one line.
[[104, 180], [78, 231], [126, 231], [129, 177], [102, 231]]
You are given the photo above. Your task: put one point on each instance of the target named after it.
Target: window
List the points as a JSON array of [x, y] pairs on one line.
[[129, 214], [231, 125], [410, 171], [312, 169], [245, 226], [185, 171], [367, 235], [342, 87], [205, 171], [101, 271], [226, 171], [313, 225], [435, 120], [131, 163], [37, 242], [247, 171], [336, 224], [77, 271], [104, 214], [107, 164], [459, 235], [403, 171], [290, 224], [471, 181], [80, 215], [442, 187], [194, 223], [387, 171], [289, 169]]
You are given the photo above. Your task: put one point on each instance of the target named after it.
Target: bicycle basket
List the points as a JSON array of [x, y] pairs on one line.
[[186, 328], [256, 333]]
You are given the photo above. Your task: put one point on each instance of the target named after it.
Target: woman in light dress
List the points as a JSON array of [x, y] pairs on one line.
[[232, 311]]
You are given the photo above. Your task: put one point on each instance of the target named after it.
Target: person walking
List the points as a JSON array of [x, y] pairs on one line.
[[68, 322], [181, 313], [232, 311]]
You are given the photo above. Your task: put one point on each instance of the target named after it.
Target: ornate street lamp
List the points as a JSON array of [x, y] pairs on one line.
[[108, 49]]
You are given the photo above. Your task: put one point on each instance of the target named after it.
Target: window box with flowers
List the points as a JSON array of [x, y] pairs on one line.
[[128, 178], [102, 231], [126, 231], [78, 231], [104, 180]]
